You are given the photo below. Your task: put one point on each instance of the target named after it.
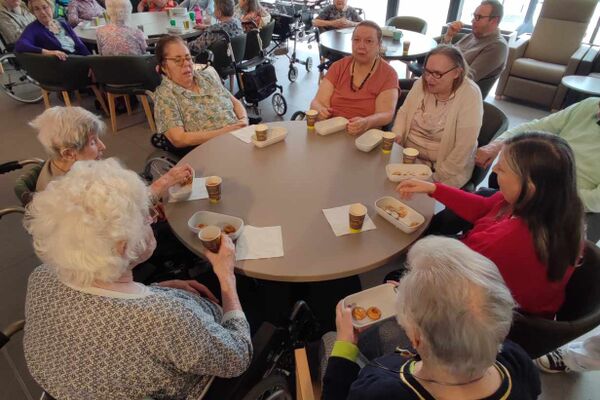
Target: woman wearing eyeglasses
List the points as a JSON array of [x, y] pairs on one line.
[[362, 87], [442, 115], [191, 107]]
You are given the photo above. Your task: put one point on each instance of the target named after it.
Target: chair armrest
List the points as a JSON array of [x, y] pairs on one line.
[[516, 49], [576, 59]]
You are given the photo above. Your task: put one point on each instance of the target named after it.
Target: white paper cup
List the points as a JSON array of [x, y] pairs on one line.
[[311, 118], [356, 216], [210, 236], [213, 187], [410, 155], [261, 131], [388, 141]]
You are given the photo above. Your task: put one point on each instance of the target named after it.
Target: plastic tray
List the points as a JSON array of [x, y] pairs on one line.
[[331, 125], [276, 134], [382, 297], [408, 224], [220, 220], [179, 193], [401, 172], [369, 140]]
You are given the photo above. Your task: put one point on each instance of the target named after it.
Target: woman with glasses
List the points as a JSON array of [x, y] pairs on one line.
[[112, 337], [191, 107], [442, 115], [362, 87], [456, 312]]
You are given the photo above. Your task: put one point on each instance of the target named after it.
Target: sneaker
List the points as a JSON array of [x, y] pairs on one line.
[[552, 362]]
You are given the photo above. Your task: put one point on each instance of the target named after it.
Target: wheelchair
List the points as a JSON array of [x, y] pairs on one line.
[[14, 81]]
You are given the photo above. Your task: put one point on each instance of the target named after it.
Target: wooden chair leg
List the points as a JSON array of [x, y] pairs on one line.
[[127, 104], [304, 386], [144, 100], [1, 69], [100, 99], [46, 97], [66, 97], [113, 112]]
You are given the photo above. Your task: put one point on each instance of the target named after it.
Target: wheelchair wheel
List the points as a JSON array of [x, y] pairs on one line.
[[293, 73], [15, 82], [309, 64], [273, 387], [279, 104], [158, 163], [298, 116]]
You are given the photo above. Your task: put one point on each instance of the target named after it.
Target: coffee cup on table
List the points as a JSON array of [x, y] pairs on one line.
[[311, 118], [405, 47], [261, 131], [213, 187], [388, 142], [356, 216], [210, 236], [409, 155]]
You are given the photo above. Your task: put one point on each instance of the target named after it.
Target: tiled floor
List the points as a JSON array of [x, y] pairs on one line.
[[131, 144]]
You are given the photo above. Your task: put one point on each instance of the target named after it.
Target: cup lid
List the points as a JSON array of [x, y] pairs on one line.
[[409, 151]]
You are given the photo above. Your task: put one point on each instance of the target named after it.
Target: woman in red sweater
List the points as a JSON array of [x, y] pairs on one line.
[[532, 229]]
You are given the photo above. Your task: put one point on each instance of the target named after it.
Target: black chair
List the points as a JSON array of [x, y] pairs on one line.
[[266, 35], [122, 76], [409, 23], [254, 46], [493, 124], [52, 73], [579, 314], [219, 56]]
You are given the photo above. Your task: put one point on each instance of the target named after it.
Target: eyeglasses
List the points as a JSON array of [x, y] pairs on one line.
[[477, 17], [179, 61], [437, 75]]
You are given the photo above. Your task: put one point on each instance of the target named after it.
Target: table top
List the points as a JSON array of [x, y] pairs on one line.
[[340, 41], [585, 84], [289, 184], [155, 25]]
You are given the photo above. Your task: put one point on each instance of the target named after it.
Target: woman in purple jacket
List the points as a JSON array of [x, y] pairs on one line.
[[49, 36]]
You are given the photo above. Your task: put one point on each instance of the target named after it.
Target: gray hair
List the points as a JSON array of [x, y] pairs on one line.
[[497, 8], [225, 7], [62, 128], [80, 218], [119, 11], [30, 4], [458, 301]]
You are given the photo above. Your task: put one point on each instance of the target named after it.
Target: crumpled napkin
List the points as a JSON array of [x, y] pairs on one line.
[[255, 243]]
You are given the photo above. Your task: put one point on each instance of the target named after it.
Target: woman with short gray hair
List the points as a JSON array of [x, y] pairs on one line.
[[456, 310], [117, 38], [111, 337]]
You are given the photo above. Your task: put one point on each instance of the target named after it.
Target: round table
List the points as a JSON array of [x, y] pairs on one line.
[[584, 84], [340, 41], [155, 25], [289, 184]]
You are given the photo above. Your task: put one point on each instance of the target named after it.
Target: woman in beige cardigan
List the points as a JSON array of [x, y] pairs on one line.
[[441, 117]]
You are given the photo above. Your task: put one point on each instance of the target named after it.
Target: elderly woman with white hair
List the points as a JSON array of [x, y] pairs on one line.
[[117, 38], [456, 310], [14, 17], [111, 337]]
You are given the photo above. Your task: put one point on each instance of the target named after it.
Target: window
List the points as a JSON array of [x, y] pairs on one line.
[[434, 12], [374, 10]]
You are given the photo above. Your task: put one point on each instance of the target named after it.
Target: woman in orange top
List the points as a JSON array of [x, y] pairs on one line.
[[155, 5], [362, 87]]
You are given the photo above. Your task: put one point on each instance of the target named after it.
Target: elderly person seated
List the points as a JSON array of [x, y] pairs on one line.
[[252, 14], [83, 10], [362, 87], [49, 36], [456, 311], [14, 17], [337, 15], [191, 107], [155, 5], [442, 116], [206, 6], [117, 38], [125, 340], [227, 23]]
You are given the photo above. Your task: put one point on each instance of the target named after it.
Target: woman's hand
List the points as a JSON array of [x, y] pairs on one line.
[[62, 56], [408, 187], [343, 324], [177, 174], [223, 262], [191, 286], [357, 125], [325, 113]]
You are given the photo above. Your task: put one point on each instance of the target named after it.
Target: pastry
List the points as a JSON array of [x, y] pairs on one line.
[[374, 313], [359, 313]]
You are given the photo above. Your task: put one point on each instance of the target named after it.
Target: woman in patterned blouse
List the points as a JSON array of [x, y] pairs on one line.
[[192, 107], [117, 38], [113, 338], [83, 10], [227, 23]]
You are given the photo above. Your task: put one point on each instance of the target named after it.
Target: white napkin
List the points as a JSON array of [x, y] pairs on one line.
[[198, 191], [255, 243], [339, 220], [245, 133]]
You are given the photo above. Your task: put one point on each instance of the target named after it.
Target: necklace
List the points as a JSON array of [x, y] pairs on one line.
[[64, 171], [448, 383], [364, 80]]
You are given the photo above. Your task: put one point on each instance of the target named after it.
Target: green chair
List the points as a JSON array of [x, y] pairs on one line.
[[408, 23]]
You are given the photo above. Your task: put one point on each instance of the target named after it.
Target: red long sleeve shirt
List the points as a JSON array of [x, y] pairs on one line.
[[507, 241]]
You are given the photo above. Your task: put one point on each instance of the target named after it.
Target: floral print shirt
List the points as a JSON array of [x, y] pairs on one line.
[[117, 40], [331, 13], [233, 27], [210, 109], [83, 10]]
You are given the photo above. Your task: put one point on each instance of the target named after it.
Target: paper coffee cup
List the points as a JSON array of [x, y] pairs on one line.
[[410, 155], [311, 118], [213, 187], [261, 131], [186, 24], [210, 236], [357, 215], [96, 21], [388, 141], [405, 47]]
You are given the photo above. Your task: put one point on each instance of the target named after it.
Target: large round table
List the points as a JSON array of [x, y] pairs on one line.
[[339, 41], [288, 184], [155, 25]]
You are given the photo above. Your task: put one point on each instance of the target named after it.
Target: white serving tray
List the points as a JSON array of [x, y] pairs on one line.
[[407, 224], [179, 193], [401, 172], [220, 220], [276, 134], [382, 297], [369, 140], [331, 125]]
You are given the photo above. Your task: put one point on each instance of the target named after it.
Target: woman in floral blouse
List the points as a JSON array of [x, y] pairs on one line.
[[117, 38], [83, 10], [227, 23], [191, 107]]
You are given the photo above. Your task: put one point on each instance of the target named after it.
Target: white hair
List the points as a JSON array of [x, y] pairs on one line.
[[458, 301], [80, 219], [119, 11], [62, 128]]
